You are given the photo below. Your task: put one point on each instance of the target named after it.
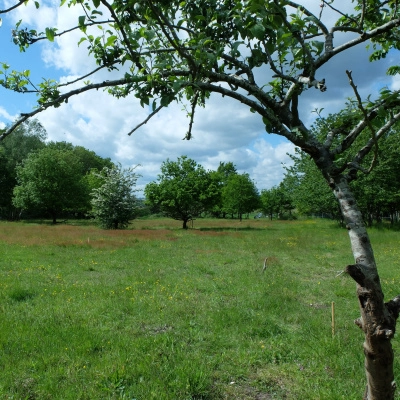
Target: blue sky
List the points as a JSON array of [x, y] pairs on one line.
[[223, 131]]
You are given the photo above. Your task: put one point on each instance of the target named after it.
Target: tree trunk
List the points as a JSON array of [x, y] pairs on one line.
[[54, 216], [378, 319], [185, 224]]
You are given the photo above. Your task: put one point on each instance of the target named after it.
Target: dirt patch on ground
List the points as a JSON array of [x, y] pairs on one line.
[[66, 235]]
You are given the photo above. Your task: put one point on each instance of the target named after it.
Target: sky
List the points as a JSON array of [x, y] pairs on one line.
[[223, 131]]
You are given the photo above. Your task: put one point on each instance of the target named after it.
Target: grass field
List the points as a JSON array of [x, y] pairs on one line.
[[158, 313]]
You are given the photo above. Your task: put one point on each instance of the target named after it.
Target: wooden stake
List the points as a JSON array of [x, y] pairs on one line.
[[333, 318]]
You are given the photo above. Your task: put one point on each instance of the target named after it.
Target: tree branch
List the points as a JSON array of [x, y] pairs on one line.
[[366, 119], [44, 37], [146, 120], [364, 36], [13, 7], [134, 55]]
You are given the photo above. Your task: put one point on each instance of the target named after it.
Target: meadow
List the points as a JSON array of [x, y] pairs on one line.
[[158, 313]]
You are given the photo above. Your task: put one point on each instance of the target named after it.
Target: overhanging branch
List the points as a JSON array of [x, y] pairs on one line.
[[146, 120]]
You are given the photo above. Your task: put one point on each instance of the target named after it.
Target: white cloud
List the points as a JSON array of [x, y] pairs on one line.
[[4, 114]]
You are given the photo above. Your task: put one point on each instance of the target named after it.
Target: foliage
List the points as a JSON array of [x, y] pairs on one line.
[[240, 195], [184, 190], [29, 137], [377, 192], [220, 176], [114, 203], [275, 201], [51, 180], [310, 191], [89, 159]]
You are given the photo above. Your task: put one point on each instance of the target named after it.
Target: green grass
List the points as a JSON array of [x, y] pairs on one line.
[[159, 313]]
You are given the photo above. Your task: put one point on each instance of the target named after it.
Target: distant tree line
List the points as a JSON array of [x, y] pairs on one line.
[[377, 191], [58, 179], [185, 190]]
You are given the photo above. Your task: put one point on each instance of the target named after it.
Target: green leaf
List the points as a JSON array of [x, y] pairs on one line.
[[82, 39], [96, 3], [111, 40], [394, 70], [37, 5], [81, 20], [50, 34], [258, 31], [268, 125]]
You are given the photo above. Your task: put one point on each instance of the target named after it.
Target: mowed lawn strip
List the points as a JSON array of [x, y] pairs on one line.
[[156, 312]]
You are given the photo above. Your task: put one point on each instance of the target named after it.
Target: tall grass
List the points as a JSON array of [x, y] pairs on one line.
[[156, 312]]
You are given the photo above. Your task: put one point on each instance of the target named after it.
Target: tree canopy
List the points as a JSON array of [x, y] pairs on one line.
[[51, 180], [30, 136], [240, 195], [184, 190], [265, 55], [114, 201]]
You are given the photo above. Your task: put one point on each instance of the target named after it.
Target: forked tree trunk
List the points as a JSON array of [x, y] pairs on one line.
[[378, 319]]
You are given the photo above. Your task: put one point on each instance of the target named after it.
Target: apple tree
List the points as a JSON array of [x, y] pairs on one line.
[[265, 54]]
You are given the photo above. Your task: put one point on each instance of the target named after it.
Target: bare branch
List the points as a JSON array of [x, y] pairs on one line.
[[367, 120], [188, 135], [309, 14], [87, 75], [326, 3], [364, 36], [13, 7], [371, 143], [146, 120], [64, 98], [240, 65]]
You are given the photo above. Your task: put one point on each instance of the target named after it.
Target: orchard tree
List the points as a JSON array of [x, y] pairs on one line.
[[50, 180], [240, 195], [310, 192], [269, 201], [220, 176], [29, 136], [88, 158], [184, 190], [114, 203], [266, 55]]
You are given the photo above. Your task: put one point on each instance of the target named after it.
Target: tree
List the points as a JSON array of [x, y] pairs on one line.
[[310, 191], [240, 195], [221, 175], [30, 136], [51, 180], [114, 203], [180, 50], [184, 190], [88, 158], [269, 200]]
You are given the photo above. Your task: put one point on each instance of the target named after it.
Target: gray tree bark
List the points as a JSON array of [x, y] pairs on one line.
[[378, 319]]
